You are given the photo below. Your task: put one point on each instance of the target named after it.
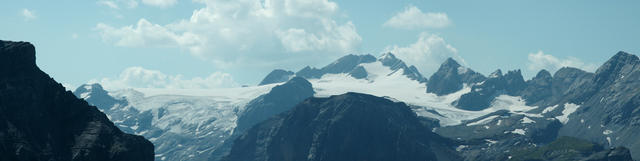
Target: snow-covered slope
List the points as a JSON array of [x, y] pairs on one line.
[[190, 124], [183, 124], [382, 81]]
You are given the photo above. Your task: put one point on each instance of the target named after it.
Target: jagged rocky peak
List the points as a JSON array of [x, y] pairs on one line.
[[346, 63], [451, 77], [277, 76], [85, 91], [97, 96], [350, 126], [309, 72], [538, 88], [482, 94], [620, 64], [514, 82], [496, 74], [41, 120], [395, 64], [281, 98], [390, 60], [542, 75]]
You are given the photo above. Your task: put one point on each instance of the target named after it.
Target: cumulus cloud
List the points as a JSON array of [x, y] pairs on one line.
[[427, 53], [413, 18], [144, 33], [28, 14], [334, 37], [246, 30], [160, 3], [138, 77], [539, 60]]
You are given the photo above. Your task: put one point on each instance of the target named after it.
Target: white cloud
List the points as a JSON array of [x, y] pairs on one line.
[[138, 77], [144, 33], [538, 61], [74, 36], [427, 53], [413, 18], [334, 37], [160, 3], [28, 14], [237, 32], [115, 4]]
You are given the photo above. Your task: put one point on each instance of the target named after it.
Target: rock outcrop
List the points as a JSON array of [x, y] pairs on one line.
[[351, 126], [451, 77], [40, 120]]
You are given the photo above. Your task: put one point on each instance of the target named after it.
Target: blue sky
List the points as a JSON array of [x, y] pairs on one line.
[[212, 43]]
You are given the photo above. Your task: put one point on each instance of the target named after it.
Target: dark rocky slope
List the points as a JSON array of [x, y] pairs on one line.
[[350, 127], [280, 99], [569, 149], [40, 120], [609, 111], [451, 77], [276, 76]]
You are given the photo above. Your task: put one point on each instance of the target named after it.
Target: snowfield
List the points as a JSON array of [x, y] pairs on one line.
[[383, 82]]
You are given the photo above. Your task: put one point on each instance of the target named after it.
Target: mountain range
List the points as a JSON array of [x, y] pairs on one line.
[[361, 107]]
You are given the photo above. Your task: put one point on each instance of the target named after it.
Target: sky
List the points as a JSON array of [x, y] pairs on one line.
[[222, 43]]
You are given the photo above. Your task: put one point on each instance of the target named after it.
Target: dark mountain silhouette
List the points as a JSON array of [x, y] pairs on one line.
[[40, 120], [350, 127]]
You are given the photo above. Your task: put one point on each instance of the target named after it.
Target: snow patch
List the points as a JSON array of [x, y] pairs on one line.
[[85, 95], [569, 108], [607, 132], [461, 147], [526, 120], [519, 131], [483, 121], [491, 142], [549, 109]]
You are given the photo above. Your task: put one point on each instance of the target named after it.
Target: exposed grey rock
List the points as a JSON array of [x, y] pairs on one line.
[[280, 99], [276, 76], [450, 78], [345, 127], [482, 94], [569, 148], [358, 72], [609, 105], [40, 120], [486, 141], [538, 88], [395, 64], [514, 82], [345, 64]]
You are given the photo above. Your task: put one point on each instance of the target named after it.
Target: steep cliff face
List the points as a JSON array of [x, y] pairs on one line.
[[351, 126], [40, 120], [609, 111], [280, 99], [451, 77]]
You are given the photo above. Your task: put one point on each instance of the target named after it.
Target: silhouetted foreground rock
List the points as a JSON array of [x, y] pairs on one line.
[[349, 127], [40, 120]]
